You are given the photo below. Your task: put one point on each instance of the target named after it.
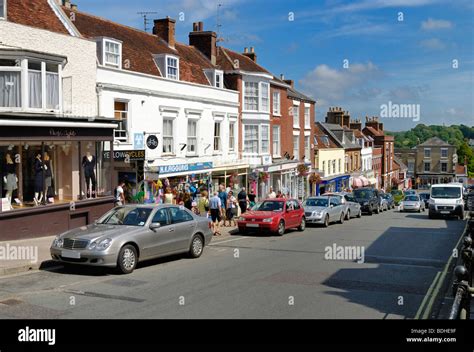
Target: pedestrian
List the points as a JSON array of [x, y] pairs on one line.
[[279, 195], [231, 207], [252, 197], [168, 197], [119, 194], [242, 198], [203, 204], [223, 197], [188, 201], [216, 206], [271, 194]]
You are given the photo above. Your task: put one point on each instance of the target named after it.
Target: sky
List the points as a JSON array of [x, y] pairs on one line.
[[370, 57]]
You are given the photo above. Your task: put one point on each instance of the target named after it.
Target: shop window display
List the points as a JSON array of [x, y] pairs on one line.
[[38, 173]]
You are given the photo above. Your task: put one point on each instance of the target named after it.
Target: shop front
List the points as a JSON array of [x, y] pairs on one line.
[[234, 176], [333, 184], [54, 174], [426, 180]]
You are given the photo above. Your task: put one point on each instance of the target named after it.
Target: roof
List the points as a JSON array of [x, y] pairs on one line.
[[139, 47], [435, 142], [34, 13], [337, 132], [398, 161], [226, 59], [318, 139], [293, 93], [373, 131]]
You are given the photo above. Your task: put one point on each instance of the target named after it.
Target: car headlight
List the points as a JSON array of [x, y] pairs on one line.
[[458, 201], [240, 218], [58, 242], [101, 245], [417, 204], [267, 220]]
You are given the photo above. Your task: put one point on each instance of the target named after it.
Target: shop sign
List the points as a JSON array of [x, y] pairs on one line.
[[169, 169], [126, 155], [138, 141], [152, 142]]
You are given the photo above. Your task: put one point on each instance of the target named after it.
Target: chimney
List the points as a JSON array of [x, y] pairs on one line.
[[65, 3], [282, 77], [250, 54], [165, 29], [290, 82], [205, 42], [356, 125]]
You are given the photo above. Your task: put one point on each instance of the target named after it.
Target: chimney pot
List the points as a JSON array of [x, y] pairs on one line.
[[205, 42], [195, 27], [201, 26], [246, 50], [252, 50]]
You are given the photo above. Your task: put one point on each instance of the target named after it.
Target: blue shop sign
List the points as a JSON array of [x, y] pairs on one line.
[[171, 169]]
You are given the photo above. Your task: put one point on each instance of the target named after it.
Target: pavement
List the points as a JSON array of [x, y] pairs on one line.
[[258, 276], [39, 256]]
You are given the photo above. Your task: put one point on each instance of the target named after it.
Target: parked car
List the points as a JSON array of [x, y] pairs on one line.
[[273, 215], [324, 210], [129, 234], [369, 199], [397, 196], [425, 197], [412, 203], [354, 207], [383, 203], [410, 192], [390, 201], [345, 205], [446, 199]]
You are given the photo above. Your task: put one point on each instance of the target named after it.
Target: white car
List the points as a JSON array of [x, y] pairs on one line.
[[412, 203], [446, 199]]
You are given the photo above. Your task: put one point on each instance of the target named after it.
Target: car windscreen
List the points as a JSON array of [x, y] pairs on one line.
[[412, 198], [316, 202], [271, 206], [363, 193], [386, 196], [126, 216], [446, 192]]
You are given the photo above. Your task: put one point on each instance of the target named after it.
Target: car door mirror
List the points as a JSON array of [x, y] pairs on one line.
[[155, 226]]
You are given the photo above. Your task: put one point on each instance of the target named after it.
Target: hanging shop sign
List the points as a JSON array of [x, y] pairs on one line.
[[170, 169], [126, 155], [152, 142]]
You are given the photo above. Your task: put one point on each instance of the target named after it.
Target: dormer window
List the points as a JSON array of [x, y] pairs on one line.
[[3, 8], [168, 65], [215, 77], [110, 52]]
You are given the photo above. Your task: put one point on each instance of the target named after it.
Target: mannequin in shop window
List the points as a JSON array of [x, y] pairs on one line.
[[48, 176], [88, 164], [10, 179], [39, 179]]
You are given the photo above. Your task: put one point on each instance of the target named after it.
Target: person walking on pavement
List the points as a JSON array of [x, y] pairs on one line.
[[223, 197], [252, 197], [272, 194], [216, 207], [119, 194], [242, 198], [231, 207], [203, 204]]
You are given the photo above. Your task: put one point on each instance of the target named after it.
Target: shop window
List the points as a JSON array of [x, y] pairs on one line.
[[168, 139], [121, 115], [192, 137], [36, 173], [217, 137]]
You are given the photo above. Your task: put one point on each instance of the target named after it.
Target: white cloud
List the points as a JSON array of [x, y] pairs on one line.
[[380, 4], [432, 44], [432, 24]]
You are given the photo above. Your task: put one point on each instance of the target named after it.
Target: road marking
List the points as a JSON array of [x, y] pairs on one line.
[[226, 241], [102, 295]]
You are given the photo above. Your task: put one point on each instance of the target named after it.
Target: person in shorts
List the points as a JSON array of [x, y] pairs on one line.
[[216, 207]]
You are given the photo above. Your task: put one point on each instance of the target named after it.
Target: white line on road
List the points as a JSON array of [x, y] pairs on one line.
[[226, 241]]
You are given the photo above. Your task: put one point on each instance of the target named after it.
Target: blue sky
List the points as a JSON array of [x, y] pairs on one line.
[[398, 51]]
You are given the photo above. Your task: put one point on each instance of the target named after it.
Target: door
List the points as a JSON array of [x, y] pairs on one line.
[[158, 242], [183, 225]]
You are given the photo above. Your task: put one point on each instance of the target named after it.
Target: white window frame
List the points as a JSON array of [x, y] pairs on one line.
[[262, 135], [172, 152], [444, 150], [276, 103], [104, 53], [276, 151], [296, 116], [307, 148], [296, 147], [167, 67], [245, 141], [232, 125], [217, 138], [220, 75], [246, 96], [127, 134], [3, 14], [262, 98], [196, 121], [307, 117]]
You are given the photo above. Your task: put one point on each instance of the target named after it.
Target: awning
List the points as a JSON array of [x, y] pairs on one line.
[[360, 181]]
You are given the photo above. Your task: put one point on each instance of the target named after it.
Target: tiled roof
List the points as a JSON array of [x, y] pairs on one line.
[[374, 132], [397, 160], [226, 59], [435, 142], [138, 47], [293, 93], [318, 138], [34, 13]]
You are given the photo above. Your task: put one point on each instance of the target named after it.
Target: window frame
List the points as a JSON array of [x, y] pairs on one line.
[[427, 163], [172, 152], [188, 151], [297, 150], [267, 135], [167, 67], [106, 41], [220, 74], [3, 14], [127, 134], [263, 98], [425, 150], [232, 125], [245, 139], [447, 153], [247, 96], [307, 117], [276, 153], [296, 116], [444, 163], [276, 101], [219, 137], [307, 148]]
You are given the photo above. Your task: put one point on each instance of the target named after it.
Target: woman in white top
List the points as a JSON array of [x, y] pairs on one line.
[[168, 197]]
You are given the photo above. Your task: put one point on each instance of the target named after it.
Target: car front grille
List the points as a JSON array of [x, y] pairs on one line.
[[445, 207], [75, 244], [308, 214]]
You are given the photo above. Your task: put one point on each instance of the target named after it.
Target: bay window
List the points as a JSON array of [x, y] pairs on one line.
[[251, 144], [10, 84], [168, 140], [265, 138], [264, 97], [251, 96], [35, 93]]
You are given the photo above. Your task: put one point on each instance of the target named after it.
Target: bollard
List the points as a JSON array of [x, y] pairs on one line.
[[461, 293]]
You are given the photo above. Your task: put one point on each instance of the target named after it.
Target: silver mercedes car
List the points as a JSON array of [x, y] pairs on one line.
[[323, 210], [132, 233]]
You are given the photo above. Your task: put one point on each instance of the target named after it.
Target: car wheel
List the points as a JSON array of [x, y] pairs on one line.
[[197, 247], [302, 226], [326, 221], [127, 259], [281, 228], [348, 215], [360, 214], [341, 220]]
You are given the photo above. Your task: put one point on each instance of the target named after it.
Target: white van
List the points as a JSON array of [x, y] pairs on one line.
[[446, 199]]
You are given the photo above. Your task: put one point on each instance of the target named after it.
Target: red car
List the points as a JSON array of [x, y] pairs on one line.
[[273, 215]]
